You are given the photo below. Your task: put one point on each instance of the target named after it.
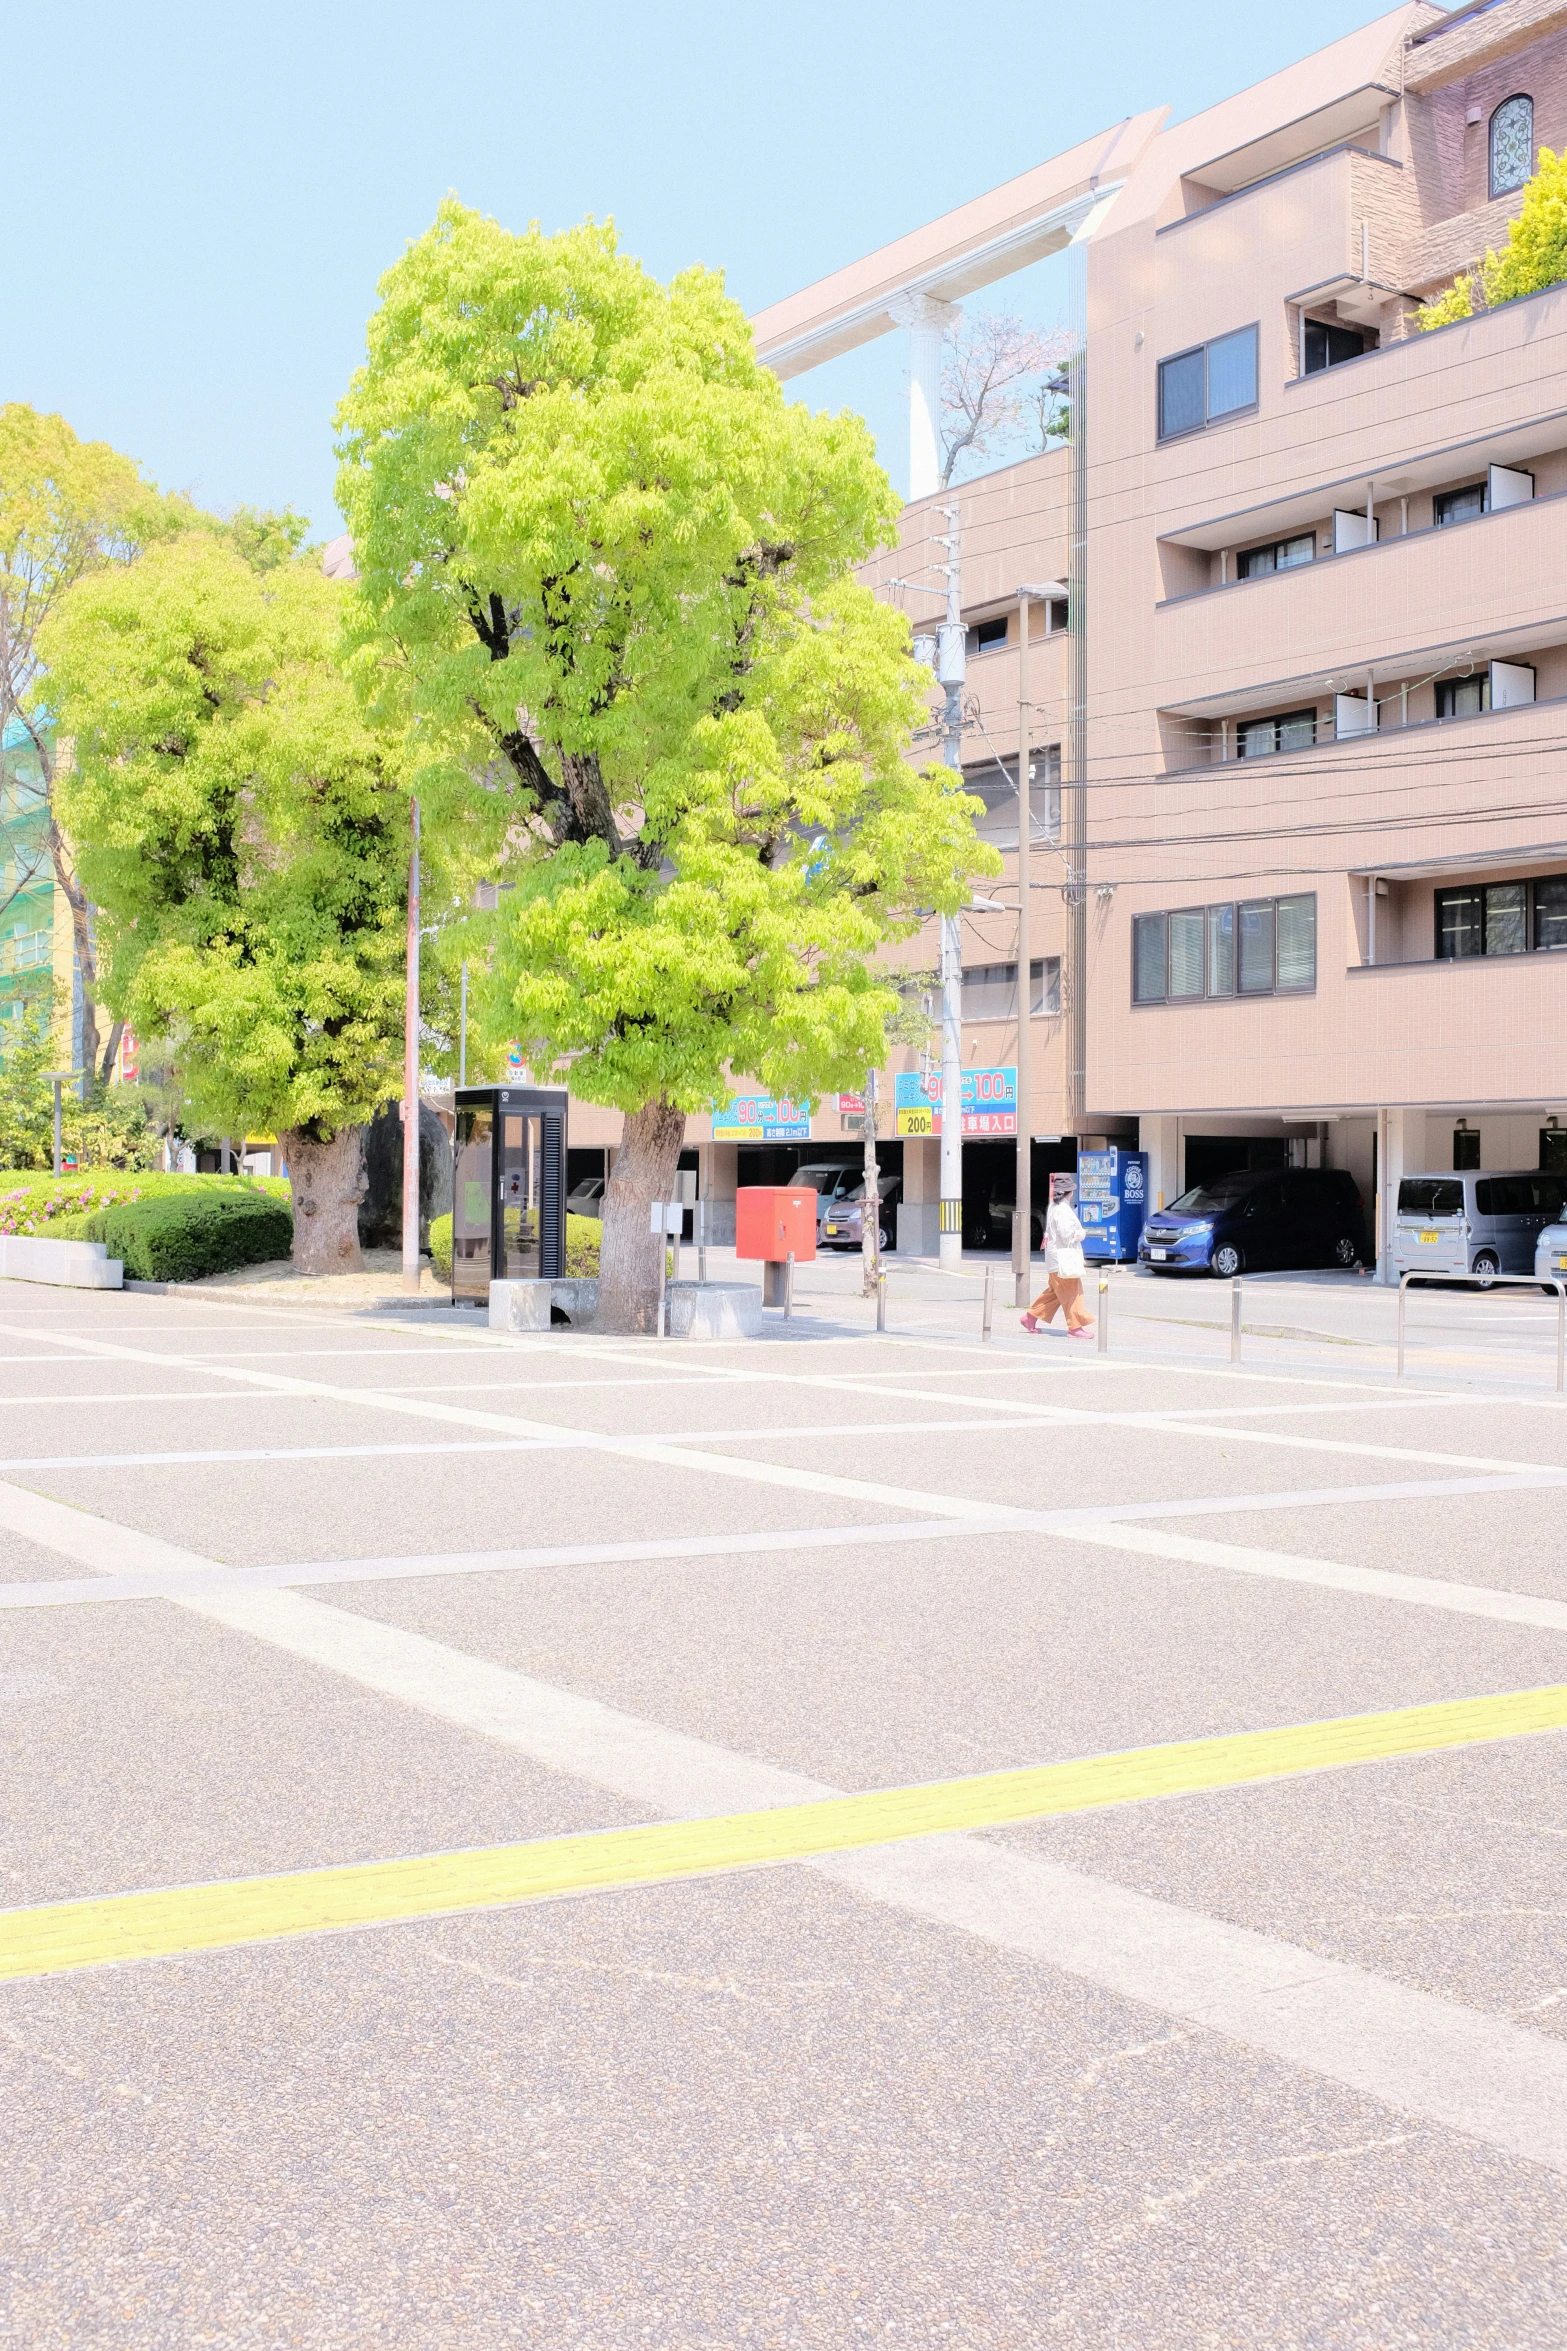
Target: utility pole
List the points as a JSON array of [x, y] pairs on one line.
[[870, 1219], [411, 1074], [1023, 1221], [1077, 687], [951, 673]]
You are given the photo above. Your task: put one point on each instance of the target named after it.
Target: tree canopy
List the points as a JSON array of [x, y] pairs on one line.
[[1534, 256], [244, 833], [606, 580]]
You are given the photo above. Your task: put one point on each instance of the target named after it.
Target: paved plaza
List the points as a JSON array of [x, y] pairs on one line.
[[839, 1839]]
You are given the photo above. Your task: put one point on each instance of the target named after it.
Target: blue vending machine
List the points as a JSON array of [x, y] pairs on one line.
[[1112, 1200]]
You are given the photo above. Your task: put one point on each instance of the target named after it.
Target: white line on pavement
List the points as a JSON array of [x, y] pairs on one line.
[[1486, 2077]]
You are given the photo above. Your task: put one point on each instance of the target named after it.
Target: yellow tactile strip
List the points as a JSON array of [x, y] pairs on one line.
[[61, 1935]]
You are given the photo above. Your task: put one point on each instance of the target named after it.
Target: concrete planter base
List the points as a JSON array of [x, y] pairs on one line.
[[697, 1310], [535, 1306], [715, 1310], [69, 1265]]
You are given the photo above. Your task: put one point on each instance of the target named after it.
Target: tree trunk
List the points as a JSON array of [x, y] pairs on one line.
[[81, 933], [329, 1183], [628, 1257]]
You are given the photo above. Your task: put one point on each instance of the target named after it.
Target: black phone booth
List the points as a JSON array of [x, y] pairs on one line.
[[508, 1188]]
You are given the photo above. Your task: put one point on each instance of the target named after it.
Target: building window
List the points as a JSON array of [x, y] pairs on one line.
[[1463, 697], [1255, 563], [986, 636], [1198, 387], [1501, 918], [1458, 505], [1260, 947], [1512, 145], [1466, 1148], [1259, 737], [1324, 345], [990, 989]]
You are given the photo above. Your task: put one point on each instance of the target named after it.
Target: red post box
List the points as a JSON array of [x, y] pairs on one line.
[[773, 1222]]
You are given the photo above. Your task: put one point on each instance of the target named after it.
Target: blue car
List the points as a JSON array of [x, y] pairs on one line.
[[1255, 1219]]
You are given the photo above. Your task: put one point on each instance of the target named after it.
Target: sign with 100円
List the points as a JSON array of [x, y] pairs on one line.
[[989, 1102]]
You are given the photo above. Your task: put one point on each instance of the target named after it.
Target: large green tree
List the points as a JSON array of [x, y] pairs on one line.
[[606, 577], [243, 830], [67, 508]]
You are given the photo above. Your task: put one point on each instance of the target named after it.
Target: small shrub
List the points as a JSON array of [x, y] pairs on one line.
[[180, 1238], [583, 1234]]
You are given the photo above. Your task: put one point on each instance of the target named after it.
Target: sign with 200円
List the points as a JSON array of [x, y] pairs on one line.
[[989, 1102]]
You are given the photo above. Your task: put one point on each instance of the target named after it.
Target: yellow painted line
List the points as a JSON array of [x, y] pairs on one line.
[[160, 1924]]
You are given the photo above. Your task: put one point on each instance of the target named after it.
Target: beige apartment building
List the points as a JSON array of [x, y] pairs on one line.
[[1299, 844]]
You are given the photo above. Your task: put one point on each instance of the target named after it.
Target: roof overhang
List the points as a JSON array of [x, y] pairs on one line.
[[1030, 217], [1294, 142], [1349, 676]]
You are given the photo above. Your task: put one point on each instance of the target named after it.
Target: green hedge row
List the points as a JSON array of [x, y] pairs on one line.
[[181, 1237]]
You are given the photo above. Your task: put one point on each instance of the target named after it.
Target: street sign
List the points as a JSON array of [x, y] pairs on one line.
[[989, 1102]]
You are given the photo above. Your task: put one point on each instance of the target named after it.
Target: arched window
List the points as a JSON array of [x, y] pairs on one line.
[[1512, 145]]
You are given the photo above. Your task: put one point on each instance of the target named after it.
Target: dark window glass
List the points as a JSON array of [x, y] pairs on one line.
[[1328, 345], [1255, 563], [1297, 942], [1507, 918], [987, 634], [1232, 372], [1186, 952], [1466, 1146], [1512, 145], [1223, 1192], [1458, 505], [1459, 923], [1490, 1198], [1045, 984], [1150, 956], [1549, 1195], [1553, 1149], [1221, 950], [1181, 386], [1295, 731], [1429, 1196], [1257, 947], [1463, 697], [1550, 912]]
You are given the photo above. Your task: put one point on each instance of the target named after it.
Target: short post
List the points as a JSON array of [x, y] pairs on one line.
[[657, 1219], [1104, 1314], [984, 1325], [881, 1302], [1235, 1320], [226, 1162], [789, 1286], [701, 1239], [1403, 1288], [1561, 1338]]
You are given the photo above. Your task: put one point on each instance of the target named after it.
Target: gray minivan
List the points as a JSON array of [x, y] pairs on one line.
[[1474, 1223]]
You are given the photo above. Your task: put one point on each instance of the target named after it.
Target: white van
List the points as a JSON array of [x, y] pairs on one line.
[[1474, 1223]]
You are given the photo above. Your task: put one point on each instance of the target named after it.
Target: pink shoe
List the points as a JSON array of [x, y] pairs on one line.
[[1031, 1325], [1084, 1331]]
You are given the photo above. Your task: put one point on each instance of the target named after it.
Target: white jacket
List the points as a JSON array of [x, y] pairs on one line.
[[1063, 1241]]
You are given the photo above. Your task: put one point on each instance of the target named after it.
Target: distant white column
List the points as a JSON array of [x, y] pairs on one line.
[[927, 320]]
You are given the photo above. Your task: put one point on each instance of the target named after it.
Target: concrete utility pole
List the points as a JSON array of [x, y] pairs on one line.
[[951, 672], [411, 1075], [1022, 1226], [1077, 691]]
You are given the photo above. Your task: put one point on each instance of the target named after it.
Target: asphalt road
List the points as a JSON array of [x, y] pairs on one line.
[[596, 2018]]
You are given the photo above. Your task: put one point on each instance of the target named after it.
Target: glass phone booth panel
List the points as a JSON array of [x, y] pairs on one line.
[[472, 1185], [521, 1174]]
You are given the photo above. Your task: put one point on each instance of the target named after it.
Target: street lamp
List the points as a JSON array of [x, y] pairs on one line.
[[58, 1078]]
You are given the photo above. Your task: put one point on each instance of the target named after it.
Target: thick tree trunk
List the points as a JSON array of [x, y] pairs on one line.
[[628, 1257], [329, 1183]]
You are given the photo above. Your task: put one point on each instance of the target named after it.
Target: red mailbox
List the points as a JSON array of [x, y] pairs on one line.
[[773, 1219]]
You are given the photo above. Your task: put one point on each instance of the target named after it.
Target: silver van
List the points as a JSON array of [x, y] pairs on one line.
[[1474, 1223]]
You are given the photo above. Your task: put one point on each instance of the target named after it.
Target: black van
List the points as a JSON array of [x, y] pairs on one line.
[[1259, 1217]]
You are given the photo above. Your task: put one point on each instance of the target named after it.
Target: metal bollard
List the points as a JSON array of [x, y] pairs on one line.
[[1235, 1320], [881, 1302], [1104, 1314], [984, 1327], [789, 1286]]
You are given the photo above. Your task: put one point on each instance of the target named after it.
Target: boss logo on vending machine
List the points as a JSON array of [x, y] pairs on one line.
[[1132, 1179]]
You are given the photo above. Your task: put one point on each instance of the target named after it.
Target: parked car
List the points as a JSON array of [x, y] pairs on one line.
[[999, 1215], [831, 1183], [1474, 1223], [1550, 1253], [845, 1227], [1258, 1218], [586, 1198]]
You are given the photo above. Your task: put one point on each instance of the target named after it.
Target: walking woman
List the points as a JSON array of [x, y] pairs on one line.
[[1063, 1265]]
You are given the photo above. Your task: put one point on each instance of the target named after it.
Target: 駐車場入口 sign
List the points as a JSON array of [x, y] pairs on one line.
[[989, 1102]]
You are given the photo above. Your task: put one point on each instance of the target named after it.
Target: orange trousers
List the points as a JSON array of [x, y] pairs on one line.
[[1066, 1291]]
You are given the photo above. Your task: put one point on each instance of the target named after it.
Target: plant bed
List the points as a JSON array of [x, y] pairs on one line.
[[583, 1234], [182, 1238]]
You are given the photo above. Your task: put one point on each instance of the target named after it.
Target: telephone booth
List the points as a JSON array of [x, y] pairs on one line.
[[508, 1188]]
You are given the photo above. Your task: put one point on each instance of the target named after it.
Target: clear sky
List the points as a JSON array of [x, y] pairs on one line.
[[202, 197]]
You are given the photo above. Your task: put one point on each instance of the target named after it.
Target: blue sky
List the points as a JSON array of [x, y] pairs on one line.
[[203, 197]]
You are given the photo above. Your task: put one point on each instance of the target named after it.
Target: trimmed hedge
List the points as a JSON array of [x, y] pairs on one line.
[[583, 1234], [181, 1237]]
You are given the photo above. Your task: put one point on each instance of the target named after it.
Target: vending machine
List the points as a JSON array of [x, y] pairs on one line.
[[1112, 1200]]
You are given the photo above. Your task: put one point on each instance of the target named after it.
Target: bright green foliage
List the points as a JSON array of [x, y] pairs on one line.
[[111, 1128], [605, 568], [1534, 256], [243, 831], [49, 1204], [583, 1234]]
